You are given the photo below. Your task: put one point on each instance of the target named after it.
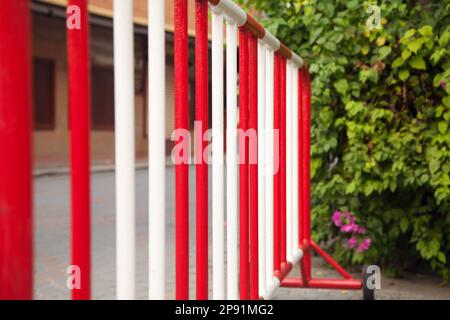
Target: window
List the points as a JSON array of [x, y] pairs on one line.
[[102, 109], [44, 88]]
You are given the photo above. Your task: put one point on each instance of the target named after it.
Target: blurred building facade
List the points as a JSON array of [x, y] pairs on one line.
[[51, 114]]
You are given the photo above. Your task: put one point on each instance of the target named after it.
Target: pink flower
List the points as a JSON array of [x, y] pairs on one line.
[[352, 242], [347, 227], [348, 216], [360, 230], [442, 84], [364, 245], [337, 218]]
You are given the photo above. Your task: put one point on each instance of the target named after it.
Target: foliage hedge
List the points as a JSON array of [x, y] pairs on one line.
[[381, 113]]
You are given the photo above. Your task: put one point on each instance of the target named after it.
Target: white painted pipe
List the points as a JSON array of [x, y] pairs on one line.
[[289, 195], [261, 168], [125, 146], [232, 163], [156, 149], [270, 41], [295, 164], [231, 11], [217, 156], [272, 287], [269, 150]]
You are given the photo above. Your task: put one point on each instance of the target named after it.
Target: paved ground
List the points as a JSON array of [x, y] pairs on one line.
[[52, 245]]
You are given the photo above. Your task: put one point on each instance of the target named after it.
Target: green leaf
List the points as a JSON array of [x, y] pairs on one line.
[[408, 34], [415, 45], [417, 63], [426, 31], [341, 86], [441, 257], [404, 224], [398, 62], [385, 51], [446, 101], [406, 54], [403, 75], [442, 126], [434, 165]]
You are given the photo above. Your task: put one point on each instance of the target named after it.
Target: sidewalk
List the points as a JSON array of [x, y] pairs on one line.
[[52, 246]]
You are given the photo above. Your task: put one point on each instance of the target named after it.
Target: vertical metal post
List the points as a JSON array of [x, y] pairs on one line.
[[283, 161], [16, 249], [306, 141], [262, 163], [232, 168], [218, 237], [243, 165], [156, 149], [253, 167], [125, 148], [277, 175], [181, 167], [79, 109], [201, 116]]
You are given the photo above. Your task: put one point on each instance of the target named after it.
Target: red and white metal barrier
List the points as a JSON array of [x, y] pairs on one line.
[[267, 198]]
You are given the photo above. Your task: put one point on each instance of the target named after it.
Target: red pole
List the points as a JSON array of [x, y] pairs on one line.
[[283, 249], [181, 168], [79, 109], [253, 124], [300, 158], [201, 115], [277, 180], [306, 153], [16, 249], [243, 164]]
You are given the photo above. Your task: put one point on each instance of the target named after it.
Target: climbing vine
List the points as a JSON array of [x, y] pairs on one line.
[[381, 114]]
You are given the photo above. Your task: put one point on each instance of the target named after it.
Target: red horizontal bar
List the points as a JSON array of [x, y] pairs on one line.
[[328, 283]]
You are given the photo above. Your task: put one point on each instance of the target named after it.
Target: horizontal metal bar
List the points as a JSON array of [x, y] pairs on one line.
[[235, 13], [327, 283]]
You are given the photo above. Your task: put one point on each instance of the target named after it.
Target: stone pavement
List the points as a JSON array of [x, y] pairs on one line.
[[52, 246]]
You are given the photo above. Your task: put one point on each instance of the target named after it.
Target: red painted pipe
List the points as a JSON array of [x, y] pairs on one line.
[[201, 115], [306, 158], [300, 159], [283, 249], [79, 109], [253, 124], [330, 260], [16, 249], [350, 284], [181, 168], [243, 164], [277, 175]]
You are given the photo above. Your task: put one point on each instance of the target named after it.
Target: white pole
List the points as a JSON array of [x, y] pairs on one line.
[[232, 167], [289, 249], [269, 165], [217, 153], [125, 158], [295, 164], [261, 167], [156, 149]]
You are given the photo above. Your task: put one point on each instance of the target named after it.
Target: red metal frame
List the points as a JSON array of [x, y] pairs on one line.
[[16, 249], [277, 175], [201, 115], [305, 242], [283, 249], [243, 164], [79, 108], [253, 125], [181, 168]]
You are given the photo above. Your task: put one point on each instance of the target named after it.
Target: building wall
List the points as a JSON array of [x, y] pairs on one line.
[[105, 8], [51, 146]]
